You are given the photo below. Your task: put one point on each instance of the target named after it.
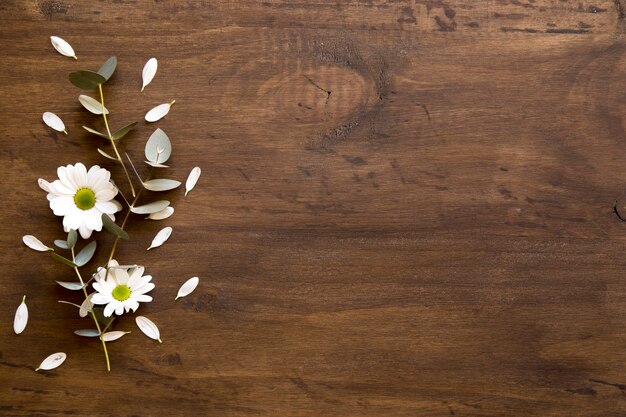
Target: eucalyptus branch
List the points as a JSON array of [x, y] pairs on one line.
[[117, 154], [93, 315]]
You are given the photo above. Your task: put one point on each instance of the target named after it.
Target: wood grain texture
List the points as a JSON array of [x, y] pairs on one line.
[[405, 209]]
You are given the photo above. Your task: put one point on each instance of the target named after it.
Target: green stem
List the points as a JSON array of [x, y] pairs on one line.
[[117, 154], [93, 315]]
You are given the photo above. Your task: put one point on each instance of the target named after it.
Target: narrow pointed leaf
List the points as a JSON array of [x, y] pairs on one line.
[[158, 148], [120, 133], [161, 184], [87, 333], [148, 328], [86, 80], [35, 244], [151, 207], [73, 286], [21, 317], [192, 179], [149, 71], [86, 254], [63, 47], [85, 306], [91, 104], [187, 288], [163, 214], [63, 260], [95, 132], [106, 155], [61, 244], [159, 112], [114, 228], [114, 335], [53, 361], [72, 237], [161, 237], [108, 68], [54, 121]]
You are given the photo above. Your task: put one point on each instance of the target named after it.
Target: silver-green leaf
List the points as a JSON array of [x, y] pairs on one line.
[[158, 148], [72, 286], [106, 155], [95, 132], [150, 207], [92, 105], [72, 237], [114, 228], [85, 254], [61, 244], [86, 80], [161, 184], [63, 260], [108, 68], [120, 133]]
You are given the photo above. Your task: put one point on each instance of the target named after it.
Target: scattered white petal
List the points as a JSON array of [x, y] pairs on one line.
[[62, 47], [149, 70], [54, 121], [87, 333], [187, 288], [91, 104], [43, 184], [74, 286], [53, 361], [161, 237], [111, 336], [163, 214], [21, 317], [35, 244], [192, 179], [148, 328], [159, 112]]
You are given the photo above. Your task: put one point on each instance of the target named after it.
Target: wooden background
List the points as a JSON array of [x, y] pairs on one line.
[[406, 207]]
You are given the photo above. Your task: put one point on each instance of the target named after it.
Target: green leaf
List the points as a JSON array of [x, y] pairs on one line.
[[86, 80], [61, 244], [85, 254], [106, 155], [95, 132], [151, 207], [161, 184], [63, 260], [120, 133], [158, 148], [108, 68], [114, 228], [92, 105], [72, 237]]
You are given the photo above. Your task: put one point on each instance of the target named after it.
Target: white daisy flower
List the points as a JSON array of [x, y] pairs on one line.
[[82, 196], [122, 290]]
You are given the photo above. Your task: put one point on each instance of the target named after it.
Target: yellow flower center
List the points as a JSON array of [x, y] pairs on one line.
[[85, 198], [121, 292]]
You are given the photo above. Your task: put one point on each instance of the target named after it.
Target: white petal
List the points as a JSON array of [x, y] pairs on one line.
[[148, 328], [43, 184], [63, 205], [87, 333], [192, 179], [21, 317], [161, 237], [109, 309], [163, 214], [111, 336], [74, 286], [84, 231], [91, 104], [93, 219], [107, 207], [52, 361], [54, 121], [62, 47], [188, 287], [149, 70], [34, 243], [158, 112]]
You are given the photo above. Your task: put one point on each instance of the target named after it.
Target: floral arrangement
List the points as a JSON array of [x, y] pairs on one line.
[[85, 198]]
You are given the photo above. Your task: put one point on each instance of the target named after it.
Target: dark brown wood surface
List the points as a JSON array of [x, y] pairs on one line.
[[406, 207]]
